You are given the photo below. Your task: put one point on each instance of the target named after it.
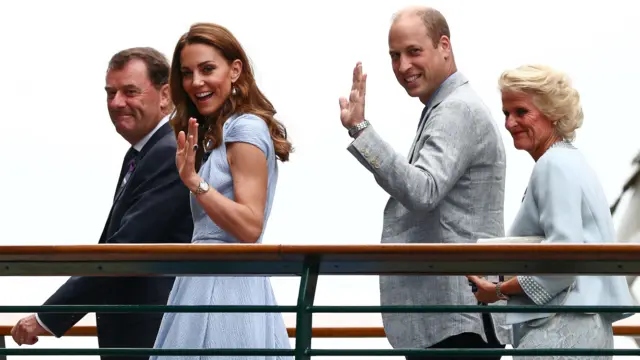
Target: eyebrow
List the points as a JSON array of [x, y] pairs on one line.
[[127, 87], [200, 64], [408, 47]]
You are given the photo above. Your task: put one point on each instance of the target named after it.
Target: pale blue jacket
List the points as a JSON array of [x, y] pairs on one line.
[[565, 203]]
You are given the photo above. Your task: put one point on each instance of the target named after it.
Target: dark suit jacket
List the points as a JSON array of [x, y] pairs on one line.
[[153, 207]]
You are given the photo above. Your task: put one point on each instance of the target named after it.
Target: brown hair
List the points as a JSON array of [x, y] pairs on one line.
[[248, 97], [432, 19], [157, 64]]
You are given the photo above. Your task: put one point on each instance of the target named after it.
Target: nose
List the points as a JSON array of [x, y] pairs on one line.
[[118, 101], [196, 79], [403, 64], [509, 122]]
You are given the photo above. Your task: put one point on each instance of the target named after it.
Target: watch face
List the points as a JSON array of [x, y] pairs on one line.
[[203, 186]]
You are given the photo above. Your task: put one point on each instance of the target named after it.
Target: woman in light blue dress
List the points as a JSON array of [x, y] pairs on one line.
[[565, 203], [228, 147]]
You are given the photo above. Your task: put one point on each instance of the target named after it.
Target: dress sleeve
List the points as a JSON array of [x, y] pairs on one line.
[[250, 129]]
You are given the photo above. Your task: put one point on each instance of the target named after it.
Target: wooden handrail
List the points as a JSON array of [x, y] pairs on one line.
[[168, 252], [323, 332], [194, 259], [334, 259]]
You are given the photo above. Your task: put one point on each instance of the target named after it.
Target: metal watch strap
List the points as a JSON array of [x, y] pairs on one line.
[[498, 291], [202, 188], [354, 129]]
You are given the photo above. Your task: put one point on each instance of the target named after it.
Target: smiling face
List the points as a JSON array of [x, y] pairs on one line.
[[418, 66], [207, 76], [531, 130], [135, 105]]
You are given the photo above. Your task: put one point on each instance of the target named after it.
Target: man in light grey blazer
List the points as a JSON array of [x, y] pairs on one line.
[[450, 189]]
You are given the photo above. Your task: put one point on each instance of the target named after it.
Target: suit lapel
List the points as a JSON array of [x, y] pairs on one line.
[[162, 132], [447, 88], [159, 134], [423, 120], [123, 171], [121, 188]]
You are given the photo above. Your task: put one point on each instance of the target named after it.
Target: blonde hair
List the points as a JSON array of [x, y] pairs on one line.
[[552, 92]]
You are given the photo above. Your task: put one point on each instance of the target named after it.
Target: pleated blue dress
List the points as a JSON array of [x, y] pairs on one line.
[[226, 330]]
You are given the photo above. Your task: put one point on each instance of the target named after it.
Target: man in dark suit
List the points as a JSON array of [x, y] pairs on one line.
[[151, 205]]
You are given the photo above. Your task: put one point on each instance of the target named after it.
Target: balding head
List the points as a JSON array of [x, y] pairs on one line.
[[420, 50], [434, 22]]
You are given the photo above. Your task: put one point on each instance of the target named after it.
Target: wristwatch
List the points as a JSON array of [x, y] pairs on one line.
[[202, 188], [499, 292], [354, 129]]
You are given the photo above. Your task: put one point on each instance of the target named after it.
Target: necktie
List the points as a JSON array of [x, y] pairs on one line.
[[130, 161], [418, 132], [424, 111]]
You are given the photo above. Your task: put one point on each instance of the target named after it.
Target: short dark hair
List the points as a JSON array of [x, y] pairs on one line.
[[436, 25], [432, 19], [157, 64]]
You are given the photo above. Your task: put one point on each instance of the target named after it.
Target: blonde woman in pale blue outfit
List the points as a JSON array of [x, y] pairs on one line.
[[564, 202], [228, 147]]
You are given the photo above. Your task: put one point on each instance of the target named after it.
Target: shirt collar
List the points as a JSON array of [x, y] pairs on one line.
[[438, 89], [140, 144]]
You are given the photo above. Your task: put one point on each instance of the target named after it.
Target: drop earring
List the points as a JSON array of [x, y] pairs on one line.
[[234, 90], [208, 144]]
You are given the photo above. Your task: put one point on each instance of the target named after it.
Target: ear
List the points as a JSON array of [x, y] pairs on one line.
[[445, 44], [165, 98], [236, 70]]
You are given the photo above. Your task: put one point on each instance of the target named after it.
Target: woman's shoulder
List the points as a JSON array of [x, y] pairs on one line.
[[562, 167], [249, 128], [247, 121], [561, 161]]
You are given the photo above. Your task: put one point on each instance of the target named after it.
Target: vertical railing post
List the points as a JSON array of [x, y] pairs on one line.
[[3, 345], [304, 316]]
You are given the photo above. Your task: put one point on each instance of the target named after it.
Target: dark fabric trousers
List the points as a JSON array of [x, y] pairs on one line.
[[467, 340]]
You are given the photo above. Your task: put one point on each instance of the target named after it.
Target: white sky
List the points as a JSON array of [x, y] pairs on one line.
[[61, 155]]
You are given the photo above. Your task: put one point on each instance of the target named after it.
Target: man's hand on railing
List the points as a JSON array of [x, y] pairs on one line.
[[27, 330]]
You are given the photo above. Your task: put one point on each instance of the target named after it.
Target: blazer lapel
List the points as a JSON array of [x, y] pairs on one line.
[[159, 134], [123, 171], [448, 86], [423, 115], [121, 188], [423, 119]]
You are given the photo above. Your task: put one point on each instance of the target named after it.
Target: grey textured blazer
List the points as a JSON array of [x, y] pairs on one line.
[[449, 190]]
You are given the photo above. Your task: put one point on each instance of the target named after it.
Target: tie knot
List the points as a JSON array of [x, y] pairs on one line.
[[131, 153]]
